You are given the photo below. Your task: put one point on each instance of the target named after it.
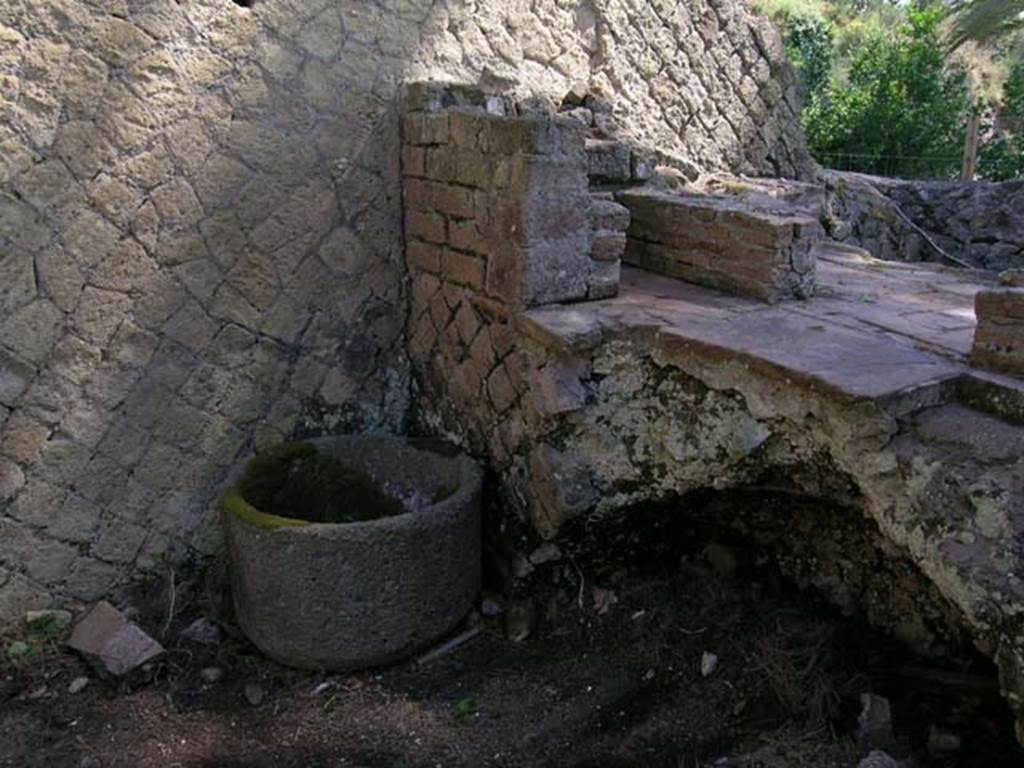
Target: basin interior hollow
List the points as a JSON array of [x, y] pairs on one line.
[[298, 481]]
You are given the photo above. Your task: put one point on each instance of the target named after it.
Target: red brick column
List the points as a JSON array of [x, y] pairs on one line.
[[999, 335], [498, 219]]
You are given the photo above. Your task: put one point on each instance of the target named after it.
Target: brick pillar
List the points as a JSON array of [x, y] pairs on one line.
[[495, 204], [498, 219], [999, 335]]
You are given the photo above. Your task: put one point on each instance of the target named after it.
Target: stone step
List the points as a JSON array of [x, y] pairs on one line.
[[722, 241]]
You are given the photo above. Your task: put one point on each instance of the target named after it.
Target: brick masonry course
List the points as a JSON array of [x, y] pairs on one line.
[[999, 336], [714, 241]]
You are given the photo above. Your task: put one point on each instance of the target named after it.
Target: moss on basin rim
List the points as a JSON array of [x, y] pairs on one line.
[[296, 484], [234, 503]]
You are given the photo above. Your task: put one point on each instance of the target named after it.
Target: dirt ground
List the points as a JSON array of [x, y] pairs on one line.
[[611, 676]]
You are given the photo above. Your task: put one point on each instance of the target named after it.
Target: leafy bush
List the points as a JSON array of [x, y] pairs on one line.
[[809, 45], [807, 34], [900, 112], [884, 93], [1002, 155], [1013, 91]]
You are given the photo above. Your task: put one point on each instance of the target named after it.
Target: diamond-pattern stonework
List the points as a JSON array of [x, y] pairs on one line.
[[201, 244]]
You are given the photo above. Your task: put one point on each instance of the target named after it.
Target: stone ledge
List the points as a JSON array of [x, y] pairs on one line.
[[993, 393], [721, 243], [609, 161]]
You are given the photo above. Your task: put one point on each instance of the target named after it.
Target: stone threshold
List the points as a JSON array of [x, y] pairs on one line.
[[895, 334]]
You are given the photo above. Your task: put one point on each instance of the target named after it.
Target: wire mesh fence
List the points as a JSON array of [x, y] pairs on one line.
[[1000, 129], [906, 166]]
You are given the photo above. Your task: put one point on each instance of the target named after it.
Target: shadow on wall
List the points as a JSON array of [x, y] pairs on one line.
[[200, 231]]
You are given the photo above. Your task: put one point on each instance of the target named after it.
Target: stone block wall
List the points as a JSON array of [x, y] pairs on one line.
[[715, 242], [980, 223], [609, 222], [200, 251], [201, 243]]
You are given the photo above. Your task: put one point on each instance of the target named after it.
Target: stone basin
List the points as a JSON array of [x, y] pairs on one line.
[[349, 595]]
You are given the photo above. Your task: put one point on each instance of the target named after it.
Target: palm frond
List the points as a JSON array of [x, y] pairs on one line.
[[984, 20]]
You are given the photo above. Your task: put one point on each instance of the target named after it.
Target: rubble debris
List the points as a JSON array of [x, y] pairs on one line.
[[78, 685], [708, 664], [202, 631], [520, 620], [113, 644], [875, 722]]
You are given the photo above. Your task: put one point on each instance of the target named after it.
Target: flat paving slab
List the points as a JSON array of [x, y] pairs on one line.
[[875, 329]]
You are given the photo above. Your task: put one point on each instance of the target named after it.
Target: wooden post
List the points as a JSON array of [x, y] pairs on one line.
[[970, 149]]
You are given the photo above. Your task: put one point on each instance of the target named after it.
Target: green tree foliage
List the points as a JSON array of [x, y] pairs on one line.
[[808, 36], [1002, 155], [900, 110], [886, 93], [809, 45], [1013, 91]]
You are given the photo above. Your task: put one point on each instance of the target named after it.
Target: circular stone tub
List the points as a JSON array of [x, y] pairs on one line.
[[359, 594]]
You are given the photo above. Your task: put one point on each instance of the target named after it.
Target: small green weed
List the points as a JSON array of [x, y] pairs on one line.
[[37, 637], [463, 710], [20, 650], [49, 625]]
